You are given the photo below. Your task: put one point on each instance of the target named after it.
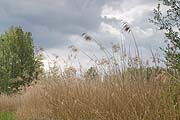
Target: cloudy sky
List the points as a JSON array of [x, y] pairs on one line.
[[57, 24]]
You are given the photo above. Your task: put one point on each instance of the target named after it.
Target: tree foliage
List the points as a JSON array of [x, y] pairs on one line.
[[91, 73], [167, 17], [18, 62]]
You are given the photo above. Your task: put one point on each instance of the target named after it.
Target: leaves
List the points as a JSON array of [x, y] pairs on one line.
[[17, 59], [170, 24]]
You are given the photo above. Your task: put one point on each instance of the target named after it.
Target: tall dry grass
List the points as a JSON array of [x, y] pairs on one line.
[[132, 94], [9, 103], [112, 90], [117, 97]]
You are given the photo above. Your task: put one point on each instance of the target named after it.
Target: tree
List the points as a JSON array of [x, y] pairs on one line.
[[169, 22], [19, 65], [91, 74]]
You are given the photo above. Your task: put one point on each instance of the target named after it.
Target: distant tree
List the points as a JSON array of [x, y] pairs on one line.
[[19, 65], [169, 23], [91, 73]]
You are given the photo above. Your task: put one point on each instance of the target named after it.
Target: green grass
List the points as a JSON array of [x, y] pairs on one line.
[[7, 116]]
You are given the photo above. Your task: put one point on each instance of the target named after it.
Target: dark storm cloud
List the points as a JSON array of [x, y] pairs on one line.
[[57, 18]]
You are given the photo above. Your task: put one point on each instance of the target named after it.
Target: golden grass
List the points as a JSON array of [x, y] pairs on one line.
[[123, 96], [130, 92], [9, 103]]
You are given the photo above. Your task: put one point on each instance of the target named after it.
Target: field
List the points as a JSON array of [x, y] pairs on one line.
[[138, 94], [117, 88]]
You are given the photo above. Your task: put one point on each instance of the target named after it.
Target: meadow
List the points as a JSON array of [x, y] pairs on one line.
[[107, 91]]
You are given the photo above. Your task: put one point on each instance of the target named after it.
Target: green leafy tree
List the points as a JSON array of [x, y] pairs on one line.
[[169, 22], [19, 65]]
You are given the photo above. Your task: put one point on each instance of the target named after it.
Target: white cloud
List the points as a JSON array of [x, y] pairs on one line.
[[128, 14], [144, 33], [104, 27]]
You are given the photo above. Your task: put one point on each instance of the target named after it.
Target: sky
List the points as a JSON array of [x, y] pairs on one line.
[[57, 24]]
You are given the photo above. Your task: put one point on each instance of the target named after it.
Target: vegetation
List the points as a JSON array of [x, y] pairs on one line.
[[134, 94], [18, 62], [169, 22], [7, 116], [120, 93]]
